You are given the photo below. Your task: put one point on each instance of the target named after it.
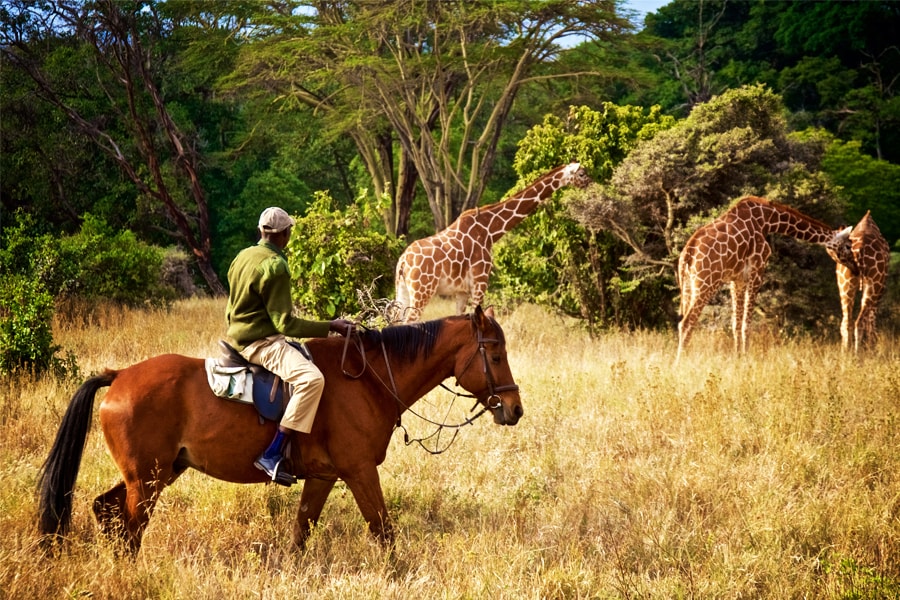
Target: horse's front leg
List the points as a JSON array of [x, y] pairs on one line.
[[312, 500], [366, 487]]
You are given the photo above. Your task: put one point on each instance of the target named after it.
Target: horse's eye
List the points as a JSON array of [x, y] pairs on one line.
[[495, 358]]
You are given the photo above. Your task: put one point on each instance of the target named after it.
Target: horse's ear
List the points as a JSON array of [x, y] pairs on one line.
[[478, 318], [489, 311], [482, 317]]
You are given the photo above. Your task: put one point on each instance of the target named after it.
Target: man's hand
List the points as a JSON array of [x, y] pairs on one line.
[[342, 326]]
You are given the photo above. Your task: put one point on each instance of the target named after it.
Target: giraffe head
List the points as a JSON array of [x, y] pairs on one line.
[[575, 175], [840, 249]]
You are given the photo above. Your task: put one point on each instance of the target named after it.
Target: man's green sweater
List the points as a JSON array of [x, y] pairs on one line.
[[259, 300]]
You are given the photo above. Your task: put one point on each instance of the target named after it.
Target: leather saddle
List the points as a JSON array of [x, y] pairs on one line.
[[270, 392]]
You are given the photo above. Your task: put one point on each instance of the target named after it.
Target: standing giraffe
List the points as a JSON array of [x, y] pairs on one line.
[[733, 249], [872, 253], [457, 261]]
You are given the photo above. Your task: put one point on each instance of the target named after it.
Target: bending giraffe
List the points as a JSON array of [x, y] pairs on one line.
[[457, 261], [733, 249], [872, 254]]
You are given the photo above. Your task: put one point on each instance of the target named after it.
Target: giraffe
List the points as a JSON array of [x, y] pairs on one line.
[[872, 253], [733, 249], [457, 261]]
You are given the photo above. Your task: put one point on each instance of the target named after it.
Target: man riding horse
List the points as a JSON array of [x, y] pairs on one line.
[[259, 317]]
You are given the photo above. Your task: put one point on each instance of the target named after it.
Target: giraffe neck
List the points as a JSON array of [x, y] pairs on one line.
[[500, 217], [776, 218]]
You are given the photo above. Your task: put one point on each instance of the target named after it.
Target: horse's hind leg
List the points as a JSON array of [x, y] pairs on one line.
[[124, 510], [109, 508]]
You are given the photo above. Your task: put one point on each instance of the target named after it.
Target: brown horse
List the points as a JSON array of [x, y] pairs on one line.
[[160, 418]]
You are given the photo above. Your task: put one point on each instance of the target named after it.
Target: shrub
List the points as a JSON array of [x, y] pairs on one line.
[[337, 255], [26, 336], [40, 271], [98, 263], [116, 265]]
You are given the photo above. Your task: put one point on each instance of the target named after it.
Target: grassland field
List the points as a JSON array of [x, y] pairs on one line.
[[773, 475]]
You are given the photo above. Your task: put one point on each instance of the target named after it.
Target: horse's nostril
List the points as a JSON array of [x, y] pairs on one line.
[[518, 411]]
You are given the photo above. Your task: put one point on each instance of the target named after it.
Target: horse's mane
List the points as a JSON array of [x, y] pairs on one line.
[[409, 341], [406, 341]]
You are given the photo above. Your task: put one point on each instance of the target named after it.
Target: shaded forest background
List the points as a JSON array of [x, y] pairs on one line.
[[139, 141]]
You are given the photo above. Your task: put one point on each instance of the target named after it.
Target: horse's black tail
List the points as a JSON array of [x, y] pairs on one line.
[[58, 474]]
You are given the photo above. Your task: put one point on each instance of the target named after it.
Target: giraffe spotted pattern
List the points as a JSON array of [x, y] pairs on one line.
[[733, 249], [872, 254], [457, 261]]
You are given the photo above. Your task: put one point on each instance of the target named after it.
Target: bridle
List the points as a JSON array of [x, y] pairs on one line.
[[493, 390]]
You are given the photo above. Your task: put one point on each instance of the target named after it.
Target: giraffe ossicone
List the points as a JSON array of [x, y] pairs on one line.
[[457, 261], [733, 249]]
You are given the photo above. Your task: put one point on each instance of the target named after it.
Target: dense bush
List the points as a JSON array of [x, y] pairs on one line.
[[26, 336], [98, 263], [336, 255], [552, 259], [40, 271]]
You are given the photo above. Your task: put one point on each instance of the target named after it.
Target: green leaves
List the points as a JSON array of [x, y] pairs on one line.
[[337, 257], [551, 258]]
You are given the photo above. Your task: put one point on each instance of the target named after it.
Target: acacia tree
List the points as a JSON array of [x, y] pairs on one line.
[[121, 44], [736, 144], [423, 88]]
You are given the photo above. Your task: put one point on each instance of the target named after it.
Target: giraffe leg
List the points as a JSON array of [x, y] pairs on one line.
[[865, 322], [738, 318], [402, 299], [753, 286], [847, 286], [847, 300], [695, 305], [480, 276], [419, 299], [462, 299]]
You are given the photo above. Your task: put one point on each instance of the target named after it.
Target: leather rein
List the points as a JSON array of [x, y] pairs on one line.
[[492, 388]]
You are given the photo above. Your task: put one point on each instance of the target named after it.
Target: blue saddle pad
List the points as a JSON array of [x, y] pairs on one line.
[[269, 403]]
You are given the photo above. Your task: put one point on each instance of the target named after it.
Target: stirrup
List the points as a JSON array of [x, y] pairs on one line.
[[278, 476]]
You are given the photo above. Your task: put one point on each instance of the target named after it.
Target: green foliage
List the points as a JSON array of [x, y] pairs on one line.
[[550, 258], [867, 184], [424, 89], [836, 64], [598, 138], [733, 145], [98, 263], [336, 255], [40, 270], [860, 582], [26, 335], [95, 263]]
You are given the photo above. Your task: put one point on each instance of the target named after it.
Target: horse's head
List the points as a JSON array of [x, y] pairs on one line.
[[485, 371]]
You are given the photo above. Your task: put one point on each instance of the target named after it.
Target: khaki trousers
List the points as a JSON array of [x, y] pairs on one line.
[[287, 362]]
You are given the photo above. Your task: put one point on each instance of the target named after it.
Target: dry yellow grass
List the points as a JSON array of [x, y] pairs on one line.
[[773, 476]]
